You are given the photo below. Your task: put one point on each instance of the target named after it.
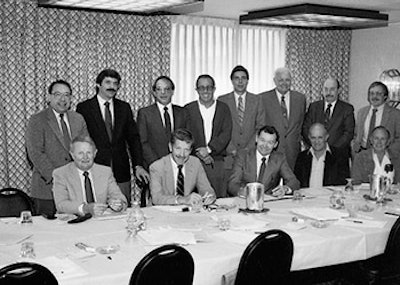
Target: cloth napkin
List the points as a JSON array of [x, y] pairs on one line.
[[320, 213]]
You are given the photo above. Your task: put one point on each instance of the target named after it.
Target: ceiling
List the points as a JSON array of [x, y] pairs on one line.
[[232, 9]]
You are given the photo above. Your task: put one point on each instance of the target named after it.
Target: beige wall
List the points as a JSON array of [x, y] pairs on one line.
[[372, 51]]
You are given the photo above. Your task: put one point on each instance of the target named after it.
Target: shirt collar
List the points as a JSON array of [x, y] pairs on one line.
[[327, 149], [161, 106], [379, 108], [287, 94], [102, 101]]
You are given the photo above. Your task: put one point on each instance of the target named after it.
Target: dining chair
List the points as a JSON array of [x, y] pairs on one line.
[[13, 201], [22, 273], [266, 260], [167, 265]]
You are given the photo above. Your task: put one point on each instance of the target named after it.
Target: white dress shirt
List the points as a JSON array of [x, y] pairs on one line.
[[333, 104], [103, 108], [287, 100], [243, 100], [259, 161], [378, 120], [170, 112], [175, 171], [380, 167], [65, 117], [317, 168], [82, 180], [208, 116]]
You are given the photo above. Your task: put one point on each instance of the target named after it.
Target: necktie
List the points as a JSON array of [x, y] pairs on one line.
[[328, 114], [180, 182], [167, 121], [284, 111], [88, 188], [240, 110], [372, 123], [107, 119], [67, 138], [262, 170]]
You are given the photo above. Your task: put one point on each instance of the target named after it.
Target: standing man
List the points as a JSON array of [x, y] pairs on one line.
[[176, 176], [48, 137], [157, 121], [112, 127], [378, 113], [265, 165], [248, 116], [321, 165], [211, 126], [337, 117], [285, 109]]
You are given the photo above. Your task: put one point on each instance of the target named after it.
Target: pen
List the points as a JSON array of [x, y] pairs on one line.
[[393, 214], [355, 221]]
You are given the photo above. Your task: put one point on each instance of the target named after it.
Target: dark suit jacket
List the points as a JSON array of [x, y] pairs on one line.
[[163, 183], [221, 131], [125, 137], [152, 132], [390, 120], [46, 149], [245, 171], [290, 138], [68, 192], [363, 166], [335, 170], [253, 120], [340, 127]]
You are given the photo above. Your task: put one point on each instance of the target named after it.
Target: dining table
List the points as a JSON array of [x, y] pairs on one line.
[[216, 237]]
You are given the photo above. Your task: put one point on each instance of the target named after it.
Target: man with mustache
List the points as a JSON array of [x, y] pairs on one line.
[[179, 178], [48, 136], [112, 127], [378, 113], [336, 115]]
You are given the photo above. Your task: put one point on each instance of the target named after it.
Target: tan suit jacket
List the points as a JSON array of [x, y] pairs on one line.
[[162, 180], [46, 149], [68, 192]]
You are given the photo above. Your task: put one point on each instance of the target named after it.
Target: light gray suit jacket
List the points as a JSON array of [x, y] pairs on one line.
[[390, 120], [243, 137], [290, 138], [68, 192], [46, 149], [162, 180]]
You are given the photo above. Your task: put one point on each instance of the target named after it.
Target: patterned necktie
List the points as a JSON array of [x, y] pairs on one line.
[[67, 138], [88, 188], [284, 111], [372, 123], [240, 110], [262, 170], [180, 182], [328, 114], [167, 121], [107, 119]]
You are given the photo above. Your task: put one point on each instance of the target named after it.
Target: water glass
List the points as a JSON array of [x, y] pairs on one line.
[[297, 196], [197, 205], [26, 217], [224, 223], [27, 250]]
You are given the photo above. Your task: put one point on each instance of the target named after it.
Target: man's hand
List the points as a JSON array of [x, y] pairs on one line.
[[96, 209], [281, 190], [190, 199], [142, 174], [208, 199], [202, 152], [117, 205]]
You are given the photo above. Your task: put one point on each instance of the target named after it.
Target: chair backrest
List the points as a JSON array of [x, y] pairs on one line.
[[266, 260], [166, 265], [392, 249], [13, 201], [26, 273]]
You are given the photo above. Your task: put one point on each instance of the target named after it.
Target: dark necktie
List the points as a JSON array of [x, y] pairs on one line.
[[88, 188], [328, 114], [262, 170], [240, 110], [107, 119], [180, 182], [167, 121], [372, 123], [67, 138], [284, 111]]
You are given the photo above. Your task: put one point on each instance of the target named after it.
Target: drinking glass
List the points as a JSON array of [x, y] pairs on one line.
[[349, 188], [27, 250]]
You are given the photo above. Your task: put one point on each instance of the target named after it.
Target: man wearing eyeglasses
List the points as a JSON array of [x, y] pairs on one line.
[[48, 137], [156, 122], [211, 125]]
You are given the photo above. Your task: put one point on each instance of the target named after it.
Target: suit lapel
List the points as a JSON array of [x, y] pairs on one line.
[[271, 165], [293, 108], [307, 167], [329, 162], [76, 182], [170, 180], [385, 115], [253, 165], [336, 114], [188, 177], [52, 121], [98, 117], [232, 106]]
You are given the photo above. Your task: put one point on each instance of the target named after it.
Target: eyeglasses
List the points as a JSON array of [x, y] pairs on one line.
[[205, 88], [167, 89], [59, 94]]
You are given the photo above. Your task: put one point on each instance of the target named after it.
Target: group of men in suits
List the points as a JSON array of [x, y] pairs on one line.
[[238, 138]]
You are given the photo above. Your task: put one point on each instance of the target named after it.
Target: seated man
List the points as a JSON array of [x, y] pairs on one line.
[[82, 186], [263, 164], [376, 160], [321, 165], [174, 177]]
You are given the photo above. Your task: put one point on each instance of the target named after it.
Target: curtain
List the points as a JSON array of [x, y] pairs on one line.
[[313, 55], [40, 45], [215, 46]]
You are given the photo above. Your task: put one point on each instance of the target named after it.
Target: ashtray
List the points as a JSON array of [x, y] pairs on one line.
[[319, 224], [366, 208], [253, 211], [108, 249]]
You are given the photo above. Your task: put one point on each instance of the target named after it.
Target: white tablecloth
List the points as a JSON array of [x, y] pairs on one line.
[[215, 254]]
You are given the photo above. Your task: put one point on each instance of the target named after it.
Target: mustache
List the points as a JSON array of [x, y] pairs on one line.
[[111, 89]]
